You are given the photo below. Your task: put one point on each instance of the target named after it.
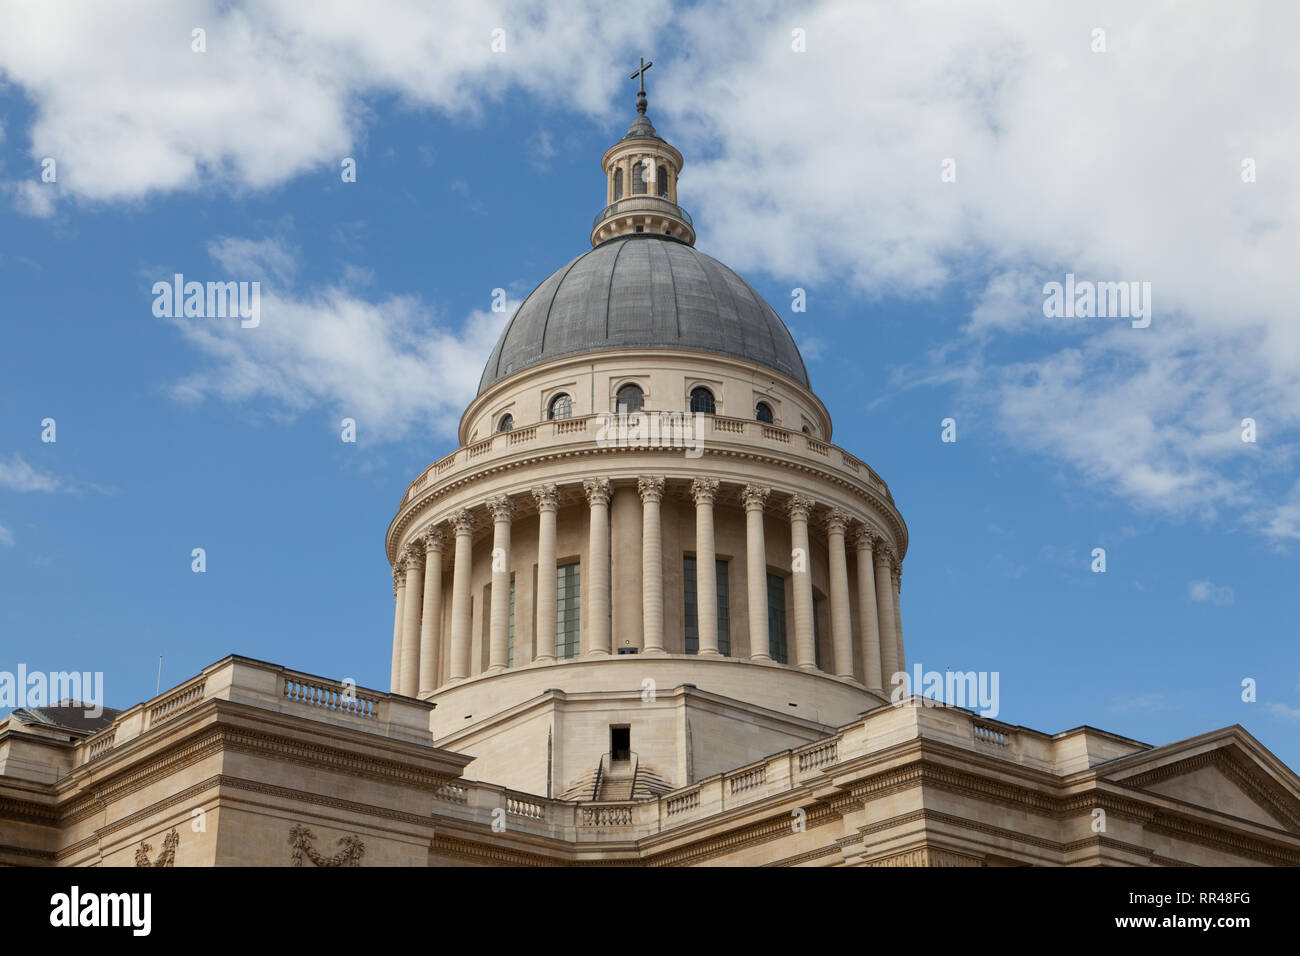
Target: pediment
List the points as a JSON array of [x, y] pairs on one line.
[[1233, 775]]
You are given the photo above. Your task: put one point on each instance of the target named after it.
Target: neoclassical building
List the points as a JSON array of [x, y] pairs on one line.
[[646, 613]]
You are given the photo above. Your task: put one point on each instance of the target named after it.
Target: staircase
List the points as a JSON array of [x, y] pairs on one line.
[[617, 781]]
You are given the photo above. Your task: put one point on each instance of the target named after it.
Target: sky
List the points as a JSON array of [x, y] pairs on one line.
[[921, 171]]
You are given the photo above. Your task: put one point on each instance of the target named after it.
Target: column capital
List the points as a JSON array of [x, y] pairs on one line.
[[547, 497], [800, 507], [502, 507], [650, 487], [399, 575], [463, 521], [754, 497], [885, 554], [434, 538], [836, 521], [705, 490], [896, 572], [864, 539], [412, 556], [598, 491]]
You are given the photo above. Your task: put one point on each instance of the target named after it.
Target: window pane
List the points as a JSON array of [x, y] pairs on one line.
[[510, 641], [629, 399], [702, 400], [638, 179], [724, 612], [776, 618], [567, 614], [763, 412], [691, 607], [662, 182]]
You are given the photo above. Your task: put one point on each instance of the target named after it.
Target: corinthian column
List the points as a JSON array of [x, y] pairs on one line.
[[755, 498], [889, 661], [651, 489], [898, 617], [841, 625], [431, 616], [705, 491], [463, 522], [598, 493], [414, 556], [548, 501], [503, 512], [399, 591], [800, 507], [864, 540]]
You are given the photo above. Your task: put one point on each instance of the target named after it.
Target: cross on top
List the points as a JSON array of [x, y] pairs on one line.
[[640, 74]]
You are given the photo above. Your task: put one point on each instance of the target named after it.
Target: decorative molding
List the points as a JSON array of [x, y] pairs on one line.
[[885, 554], [300, 840], [754, 497], [463, 522], [434, 538], [927, 856], [413, 557], [800, 507], [501, 507], [837, 521], [597, 491], [547, 497], [864, 539], [166, 857], [704, 490], [650, 488]]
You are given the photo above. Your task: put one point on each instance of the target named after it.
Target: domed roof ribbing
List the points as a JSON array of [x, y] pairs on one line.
[[644, 291]]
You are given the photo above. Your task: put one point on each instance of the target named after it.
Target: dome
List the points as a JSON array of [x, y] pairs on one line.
[[643, 291]]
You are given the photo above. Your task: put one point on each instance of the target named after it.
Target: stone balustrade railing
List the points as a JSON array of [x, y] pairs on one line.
[[243, 680], [575, 432]]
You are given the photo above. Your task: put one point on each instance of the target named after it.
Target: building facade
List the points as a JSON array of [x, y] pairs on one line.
[[647, 613]]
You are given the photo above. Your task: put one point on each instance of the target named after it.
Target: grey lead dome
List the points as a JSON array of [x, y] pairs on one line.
[[644, 291]]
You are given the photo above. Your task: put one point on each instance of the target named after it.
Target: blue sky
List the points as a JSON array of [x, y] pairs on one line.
[[818, 170]]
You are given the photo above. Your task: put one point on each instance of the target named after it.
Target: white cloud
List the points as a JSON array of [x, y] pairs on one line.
[[814, 166], [1209, 592], [390, 364], [6, 536], [128, 108], [1282, 710], [17, 475]]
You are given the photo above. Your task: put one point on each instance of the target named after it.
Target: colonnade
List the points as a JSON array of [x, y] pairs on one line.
[[418, 617]]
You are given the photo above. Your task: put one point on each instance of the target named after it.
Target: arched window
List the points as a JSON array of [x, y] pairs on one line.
[[763, 412], [629, 398], [702, 400], [638, 179], [561, 406], [663, 182], [618, 183], [506, 424]]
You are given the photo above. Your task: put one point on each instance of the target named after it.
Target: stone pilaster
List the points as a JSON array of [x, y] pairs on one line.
[[597, 610], [864, 541], [754, 499], [548, 501], [705, 492], [502, 509], [651, 490], [799, 508], [463, 522], [431, 615], [841, 623]]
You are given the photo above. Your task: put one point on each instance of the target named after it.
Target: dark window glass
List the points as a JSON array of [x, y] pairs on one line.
[[702, 400], [561, 407], [638, 179], [691, 607], [662, 183], [807, 430], [776, 618], [567, 612], [630, 398], [506, 424], [618, 184], [763, 412]]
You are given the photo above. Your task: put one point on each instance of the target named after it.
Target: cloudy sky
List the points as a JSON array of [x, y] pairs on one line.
[[922, 170]]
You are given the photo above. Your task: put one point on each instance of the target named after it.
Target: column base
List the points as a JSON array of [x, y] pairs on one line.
[[654, 652], [710, 652], [544, 659], [599, 652], [760, 657]]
